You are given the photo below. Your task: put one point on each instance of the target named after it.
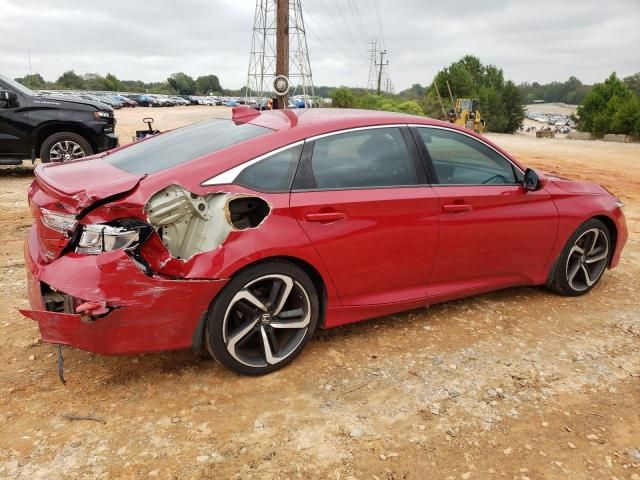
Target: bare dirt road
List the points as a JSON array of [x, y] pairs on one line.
[[515, 384]]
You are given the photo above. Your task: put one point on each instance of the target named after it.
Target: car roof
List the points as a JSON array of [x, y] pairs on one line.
[[316, 121]]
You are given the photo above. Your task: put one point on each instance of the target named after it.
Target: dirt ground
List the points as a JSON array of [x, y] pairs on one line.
[[516, 384]]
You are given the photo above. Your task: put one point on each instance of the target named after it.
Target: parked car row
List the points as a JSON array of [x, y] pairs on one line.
[[114, 100], [555, 119], [125, 99]]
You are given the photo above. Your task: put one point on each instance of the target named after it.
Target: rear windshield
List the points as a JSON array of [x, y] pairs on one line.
[[179, 146]]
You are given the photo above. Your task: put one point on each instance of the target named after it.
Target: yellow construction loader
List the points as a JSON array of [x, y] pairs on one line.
[[466, 113]]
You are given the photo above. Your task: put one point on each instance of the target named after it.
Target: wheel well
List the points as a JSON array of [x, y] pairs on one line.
[[49, 130], [613, 231]]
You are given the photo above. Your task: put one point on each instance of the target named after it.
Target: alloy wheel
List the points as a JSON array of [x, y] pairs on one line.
[[587, 259], [266, 320], [65, 151]]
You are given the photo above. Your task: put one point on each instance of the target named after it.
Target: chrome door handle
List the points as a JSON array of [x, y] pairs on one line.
[[326, 217], [457, 208]]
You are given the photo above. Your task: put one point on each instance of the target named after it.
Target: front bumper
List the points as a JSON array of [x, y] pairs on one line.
[[107, 141], [145, 313]]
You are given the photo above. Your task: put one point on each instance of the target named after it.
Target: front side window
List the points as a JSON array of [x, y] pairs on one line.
[[461, 160], [14, 86], [375, 157], [272, 174]]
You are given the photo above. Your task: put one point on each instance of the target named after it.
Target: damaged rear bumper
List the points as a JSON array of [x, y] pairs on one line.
[[143, 313]]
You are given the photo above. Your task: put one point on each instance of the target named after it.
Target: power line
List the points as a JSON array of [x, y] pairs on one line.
[[344, 21], [337, 45], [377, 5], [357, 20]]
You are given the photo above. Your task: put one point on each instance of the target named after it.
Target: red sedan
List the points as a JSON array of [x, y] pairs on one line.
[[243, 236]]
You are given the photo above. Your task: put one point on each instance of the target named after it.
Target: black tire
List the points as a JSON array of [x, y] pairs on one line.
[[588, 271], [60, 138], [238, 334]]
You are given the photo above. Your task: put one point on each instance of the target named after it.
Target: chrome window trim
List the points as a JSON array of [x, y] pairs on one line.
[[356, 129], [229, 176], [417, 125]]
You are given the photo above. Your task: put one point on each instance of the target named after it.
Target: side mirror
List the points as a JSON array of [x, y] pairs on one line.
[[533, 180], [8, 97]]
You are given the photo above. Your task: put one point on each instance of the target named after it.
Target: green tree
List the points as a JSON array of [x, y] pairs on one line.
[[207, 84], [610, 107], [94, 81], [182, 83], [514, 109], [633, 82], [411, 107], [572, 91], [70, 80], [34, 81], [500, 101], [112, 83], [342, 98], [416, 92]]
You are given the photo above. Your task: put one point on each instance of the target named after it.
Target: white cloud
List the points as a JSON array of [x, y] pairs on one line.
[[540, 40]]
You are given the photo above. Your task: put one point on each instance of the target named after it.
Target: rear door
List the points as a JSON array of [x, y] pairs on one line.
[[361, 197], [492, 231]]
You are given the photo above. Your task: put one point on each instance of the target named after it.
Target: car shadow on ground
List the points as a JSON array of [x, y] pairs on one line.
[[127, 370], [18, 171]]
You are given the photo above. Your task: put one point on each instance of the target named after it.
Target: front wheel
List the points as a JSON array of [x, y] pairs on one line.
[[64, 147], [583, 260], [263, 318]]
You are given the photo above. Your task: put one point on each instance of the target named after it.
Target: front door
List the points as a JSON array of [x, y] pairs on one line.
[[492, 231], [369, 214], [13, 126]]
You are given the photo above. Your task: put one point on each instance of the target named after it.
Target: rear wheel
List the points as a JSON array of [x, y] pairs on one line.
[[583, 260], [263, 318], [64, 147]]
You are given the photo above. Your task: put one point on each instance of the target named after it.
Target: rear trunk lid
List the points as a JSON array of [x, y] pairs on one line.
[[70, 188]]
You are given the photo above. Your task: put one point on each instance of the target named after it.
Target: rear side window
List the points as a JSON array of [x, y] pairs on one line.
[[183, 144], [461, 160], [365, 158], [272, 174]]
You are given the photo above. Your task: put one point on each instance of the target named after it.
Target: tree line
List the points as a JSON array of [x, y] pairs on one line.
[[177, 84], [500, 101], [612, 106]]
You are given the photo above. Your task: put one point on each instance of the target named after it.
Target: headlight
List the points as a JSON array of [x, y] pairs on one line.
[[105, 238], [102, 114], [60, 222]]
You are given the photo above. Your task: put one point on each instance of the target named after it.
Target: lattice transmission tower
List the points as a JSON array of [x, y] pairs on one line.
[[373, 69], [263, 55]]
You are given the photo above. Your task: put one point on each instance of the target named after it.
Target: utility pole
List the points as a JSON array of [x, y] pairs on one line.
[[282, 46], [444, 114], [381, 64], [291, 53]]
